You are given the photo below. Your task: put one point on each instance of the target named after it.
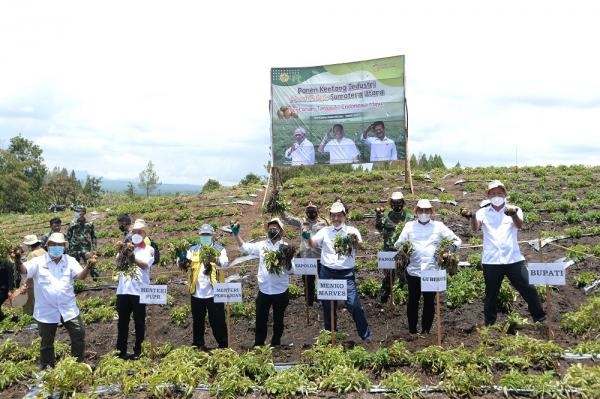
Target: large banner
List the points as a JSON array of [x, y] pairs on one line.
[[342, 113]]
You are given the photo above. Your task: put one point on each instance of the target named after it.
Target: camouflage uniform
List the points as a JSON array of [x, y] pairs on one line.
[[386, 225], [82, 239], [306, 251]]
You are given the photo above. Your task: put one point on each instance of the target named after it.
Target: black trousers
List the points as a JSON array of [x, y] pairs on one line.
[[126, 306], [216, 319], [263, 304], [412, 305], [517, 275]]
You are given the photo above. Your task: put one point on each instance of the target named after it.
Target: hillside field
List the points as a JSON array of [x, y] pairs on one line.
[[558, 202]]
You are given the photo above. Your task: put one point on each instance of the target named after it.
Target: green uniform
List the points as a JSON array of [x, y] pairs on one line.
[[386, 225], [82, 239]]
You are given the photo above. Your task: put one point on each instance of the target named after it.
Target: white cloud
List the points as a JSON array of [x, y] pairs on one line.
[[106, 87]]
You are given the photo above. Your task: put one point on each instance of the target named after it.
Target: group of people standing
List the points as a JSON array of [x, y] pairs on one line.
[[52, 271], [342, 149]]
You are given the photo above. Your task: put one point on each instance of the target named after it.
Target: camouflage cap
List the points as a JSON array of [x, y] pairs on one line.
[[79, 208]]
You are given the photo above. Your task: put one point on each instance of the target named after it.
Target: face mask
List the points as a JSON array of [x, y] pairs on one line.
[[205, 240], [311, 214], [397, 207], [424, 217], [137, 239], [77, 215], [123, 228], [497, 201], [272, 234], [56, 251]]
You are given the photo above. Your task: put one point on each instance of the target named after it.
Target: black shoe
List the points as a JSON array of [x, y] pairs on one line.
[[541, 319], [123, 356], [135, 356]]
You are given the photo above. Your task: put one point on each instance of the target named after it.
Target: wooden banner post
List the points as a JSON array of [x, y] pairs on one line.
[[305, 267], [438, 323], [434, 280], [332, 290], [386, 261], [227, 293], [152, 295]]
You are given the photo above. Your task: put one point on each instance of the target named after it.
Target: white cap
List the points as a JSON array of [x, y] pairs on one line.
[[30, 239], [337, 207], [206, 229], [396, 195], [57, 238], [495, 183], [276, 221], [424, 204], [139, 224]]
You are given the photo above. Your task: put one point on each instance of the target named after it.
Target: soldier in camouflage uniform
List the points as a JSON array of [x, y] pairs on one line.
[[82, 238], [313, 223], [386, 225]]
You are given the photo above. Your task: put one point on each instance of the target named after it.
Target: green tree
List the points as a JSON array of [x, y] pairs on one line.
[[149, 179], [211, 185], [92, 190], [250, 179], [130, 190], [14, 186], [32, 163], [413, 162], [62, 189]]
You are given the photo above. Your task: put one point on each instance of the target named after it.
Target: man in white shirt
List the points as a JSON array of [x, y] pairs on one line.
[[128, 293], [502, 256], [272, 287], [302, 152], [336, 266], [341, 149], [382, 148], [202, 275], [53, 275]]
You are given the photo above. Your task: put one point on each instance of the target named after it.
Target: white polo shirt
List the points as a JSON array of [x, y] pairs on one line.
[[381, 150], [329, 258], [303, 153], [425, 239], [500, 244], [132, 286], [268, 283], [53, 287], [343, 151]]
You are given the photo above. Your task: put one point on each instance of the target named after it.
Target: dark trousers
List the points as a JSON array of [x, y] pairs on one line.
[[517, 275], [47, 333], [412, 305], [126, 306], [352, 302], [216, 319], [263, 304]]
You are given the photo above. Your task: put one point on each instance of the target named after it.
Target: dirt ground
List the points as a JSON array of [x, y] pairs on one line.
[[303, 324]]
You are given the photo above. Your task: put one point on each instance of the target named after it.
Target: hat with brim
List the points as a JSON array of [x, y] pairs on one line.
[[337, 207], [424, 204], [495, 184], [139, 224], [57, 238], [311, 205], [276, 221], [206, 229], [30, 239], [396, 196]]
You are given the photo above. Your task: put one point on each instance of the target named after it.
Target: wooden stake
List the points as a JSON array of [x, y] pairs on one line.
[[439, 318], [549, 312], [332, 321], [391, 277], [152, 332], [305, 279], [228, 323]]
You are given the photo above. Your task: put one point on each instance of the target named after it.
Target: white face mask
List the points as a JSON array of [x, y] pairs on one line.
[[137, 239], [497, 201], [424, 217]]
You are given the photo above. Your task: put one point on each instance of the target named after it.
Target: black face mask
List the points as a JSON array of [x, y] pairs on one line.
[[311, 214], [123, 228], [272, 234], [397, 206]]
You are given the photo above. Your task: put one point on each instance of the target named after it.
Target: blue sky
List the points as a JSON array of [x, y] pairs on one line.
[[107, 86]]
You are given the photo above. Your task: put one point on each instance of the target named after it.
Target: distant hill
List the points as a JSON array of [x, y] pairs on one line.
[[120, 186]]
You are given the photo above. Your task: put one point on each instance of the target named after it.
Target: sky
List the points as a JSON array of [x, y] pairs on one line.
[[105, 87]]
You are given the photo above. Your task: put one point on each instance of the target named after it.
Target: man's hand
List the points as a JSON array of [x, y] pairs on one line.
[[235, 228], [379, 213], [510, 210], [466, 213]]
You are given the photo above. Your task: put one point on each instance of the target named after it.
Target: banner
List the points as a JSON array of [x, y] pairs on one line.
[[336, 114]]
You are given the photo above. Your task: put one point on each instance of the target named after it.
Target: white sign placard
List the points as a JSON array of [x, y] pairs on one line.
[[333, 290], [385, 260], [433, 280], [305, 266], [547, 273], [153, 294], [227, 292]]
